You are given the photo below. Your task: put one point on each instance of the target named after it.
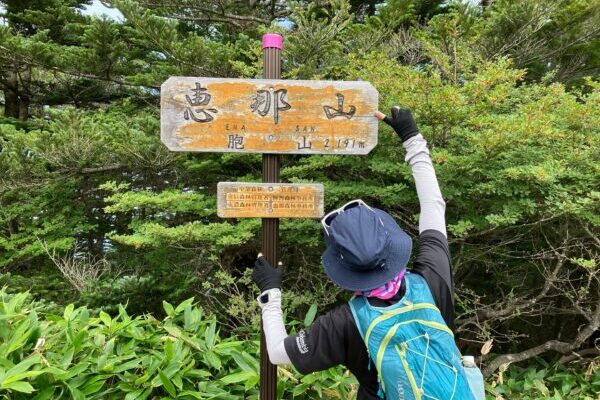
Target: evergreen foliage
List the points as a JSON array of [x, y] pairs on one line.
[[95, 210]]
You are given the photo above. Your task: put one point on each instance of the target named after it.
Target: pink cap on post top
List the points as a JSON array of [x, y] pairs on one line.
[[272, 40]]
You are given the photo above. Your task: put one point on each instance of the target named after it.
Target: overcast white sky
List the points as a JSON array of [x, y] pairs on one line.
[[98, 9]]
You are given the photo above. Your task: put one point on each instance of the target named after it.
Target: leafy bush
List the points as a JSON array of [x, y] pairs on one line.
[[543, 381], [78, 355], [82, 355]]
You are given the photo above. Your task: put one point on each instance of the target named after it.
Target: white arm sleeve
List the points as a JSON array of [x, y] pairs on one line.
[[275, 333], [431, 201]]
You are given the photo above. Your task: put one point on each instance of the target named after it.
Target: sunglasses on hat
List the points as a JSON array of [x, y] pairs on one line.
[[328, 219]]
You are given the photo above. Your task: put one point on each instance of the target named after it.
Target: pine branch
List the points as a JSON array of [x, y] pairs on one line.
[[33, 62], [211, 14]]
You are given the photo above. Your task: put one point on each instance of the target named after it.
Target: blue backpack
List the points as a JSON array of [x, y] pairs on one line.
[[412, 347]]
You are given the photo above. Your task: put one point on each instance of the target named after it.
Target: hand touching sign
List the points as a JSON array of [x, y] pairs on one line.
[[402, 121]]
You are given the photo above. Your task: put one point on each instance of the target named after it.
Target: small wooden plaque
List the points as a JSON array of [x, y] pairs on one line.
[[268, 116], [269, 200]]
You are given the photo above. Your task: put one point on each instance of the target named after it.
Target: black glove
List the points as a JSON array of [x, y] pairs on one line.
[[265, 276], [403, 123]]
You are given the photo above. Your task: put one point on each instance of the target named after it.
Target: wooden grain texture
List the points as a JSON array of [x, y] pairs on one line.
[[269, 200], [268, 116]]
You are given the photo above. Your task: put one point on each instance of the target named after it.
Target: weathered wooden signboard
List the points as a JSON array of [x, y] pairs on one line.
[[269, 200], [268, 116]]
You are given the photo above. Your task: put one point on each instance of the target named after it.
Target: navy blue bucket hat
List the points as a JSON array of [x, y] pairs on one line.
[[365, 247]]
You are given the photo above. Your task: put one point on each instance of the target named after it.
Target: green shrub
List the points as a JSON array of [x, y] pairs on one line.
[[544, 381], [78, 355]]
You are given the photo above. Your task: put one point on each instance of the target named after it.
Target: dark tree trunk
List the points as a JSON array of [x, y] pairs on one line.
[[25, 93], [11, 93]]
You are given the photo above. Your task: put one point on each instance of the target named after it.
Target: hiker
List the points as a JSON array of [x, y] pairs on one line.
[[396, 334]]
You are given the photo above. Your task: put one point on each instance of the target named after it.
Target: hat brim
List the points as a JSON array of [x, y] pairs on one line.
[[398, 249]]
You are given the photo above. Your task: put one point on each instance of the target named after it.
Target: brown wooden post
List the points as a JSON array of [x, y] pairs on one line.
[[272, 45]]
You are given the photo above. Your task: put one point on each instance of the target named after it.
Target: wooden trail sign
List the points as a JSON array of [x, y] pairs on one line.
[[268, 116], [269, 200]]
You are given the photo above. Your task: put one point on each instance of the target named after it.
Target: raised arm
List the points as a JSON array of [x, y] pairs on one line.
[[431, 202], [433, 260]]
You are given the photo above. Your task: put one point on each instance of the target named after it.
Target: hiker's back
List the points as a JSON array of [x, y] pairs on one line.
[[411, 346]]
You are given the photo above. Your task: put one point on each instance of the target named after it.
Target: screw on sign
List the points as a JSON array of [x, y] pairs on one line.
[[269, 116]]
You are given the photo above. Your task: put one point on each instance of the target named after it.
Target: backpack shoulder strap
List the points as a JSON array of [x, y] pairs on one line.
[[357, 303]]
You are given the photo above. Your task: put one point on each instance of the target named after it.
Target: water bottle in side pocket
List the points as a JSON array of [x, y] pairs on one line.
[[474, 377]]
